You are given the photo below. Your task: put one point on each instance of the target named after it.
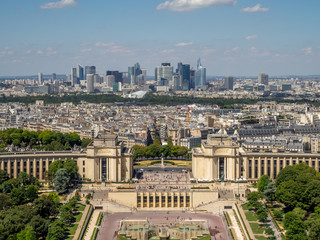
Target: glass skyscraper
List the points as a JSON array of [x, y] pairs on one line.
[[90, 70], [133, 73], [163, 74], [80, 73], [184, 72], [201, 76]]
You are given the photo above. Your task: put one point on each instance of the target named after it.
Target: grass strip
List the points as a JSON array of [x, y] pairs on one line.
[[94, 234], [98, 223]]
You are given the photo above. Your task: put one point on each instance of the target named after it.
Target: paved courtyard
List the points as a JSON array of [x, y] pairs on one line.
[[110, 223]]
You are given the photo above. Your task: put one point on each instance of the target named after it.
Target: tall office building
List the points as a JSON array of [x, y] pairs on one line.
[[184, 71], [118, 76], [97, 78], [80, 73], [163, 74], [144, 73], [90, 70], [110, 80], [201, 76], [228, 83], [54, 77], [133, 73], [90, 83], [176, 82], [263, 78], [40, 78], [74, 78]]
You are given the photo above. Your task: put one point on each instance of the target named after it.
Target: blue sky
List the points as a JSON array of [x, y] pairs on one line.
[[232, 37]]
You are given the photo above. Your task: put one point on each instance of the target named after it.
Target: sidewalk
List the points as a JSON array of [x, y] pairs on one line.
[[81, 222], [91, 225], [245, 221]]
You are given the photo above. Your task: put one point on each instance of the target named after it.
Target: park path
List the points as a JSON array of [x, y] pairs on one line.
[[246, 222], [91, 225], [277, 234], [81, 222], [235, 226]]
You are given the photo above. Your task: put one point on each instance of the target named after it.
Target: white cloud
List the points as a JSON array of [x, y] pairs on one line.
[[232, 50], [307, 51], [166, 51], [258, 53], [59, 4], [6, 53], [184, 44], [47, 52], [28, 51], [86, 50], [188, 5], [102, 44], [251, 37], [256, 8], [113, 48]]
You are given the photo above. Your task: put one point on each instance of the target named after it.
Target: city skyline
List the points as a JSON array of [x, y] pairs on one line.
[[231, 37]]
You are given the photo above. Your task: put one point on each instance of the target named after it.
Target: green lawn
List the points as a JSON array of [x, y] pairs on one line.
[[78, 216], [80, 207], [245, 206], [257, 228], [72, 229], [251, 216], [69, 238], [260, 237]]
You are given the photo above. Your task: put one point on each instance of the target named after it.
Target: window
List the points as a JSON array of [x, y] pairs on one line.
[[84, 163], [84, 170]]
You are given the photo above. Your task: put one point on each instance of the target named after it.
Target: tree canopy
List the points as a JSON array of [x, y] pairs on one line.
[[298, 186], [42, 140]]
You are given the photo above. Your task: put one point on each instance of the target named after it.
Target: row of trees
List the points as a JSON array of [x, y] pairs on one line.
[[44, 140], [148, 99], [298, 188], [158, 150]]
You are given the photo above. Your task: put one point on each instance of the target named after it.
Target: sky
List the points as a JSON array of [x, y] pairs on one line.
[[232, 37]]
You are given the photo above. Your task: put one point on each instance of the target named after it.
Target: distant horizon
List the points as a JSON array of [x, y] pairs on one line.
[[47, 76]]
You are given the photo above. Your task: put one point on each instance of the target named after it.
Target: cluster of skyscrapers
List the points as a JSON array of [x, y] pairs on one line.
[[184, 78]]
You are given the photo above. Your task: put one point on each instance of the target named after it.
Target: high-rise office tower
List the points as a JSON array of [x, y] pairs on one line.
[[141, 79], [228, 83], [201, 76], [110, 80], [144, 73], [192, 78], [163, 74], [74, 78], [133, 73], [80, 73], [40, 78], [118, 76], [263, 78], [90, 70], [184, 71], [54, 77], [97, 78], [90, 83], [176, 82]]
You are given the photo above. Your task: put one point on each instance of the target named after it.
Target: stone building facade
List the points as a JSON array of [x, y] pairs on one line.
[[106, 159], [221, 157]]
